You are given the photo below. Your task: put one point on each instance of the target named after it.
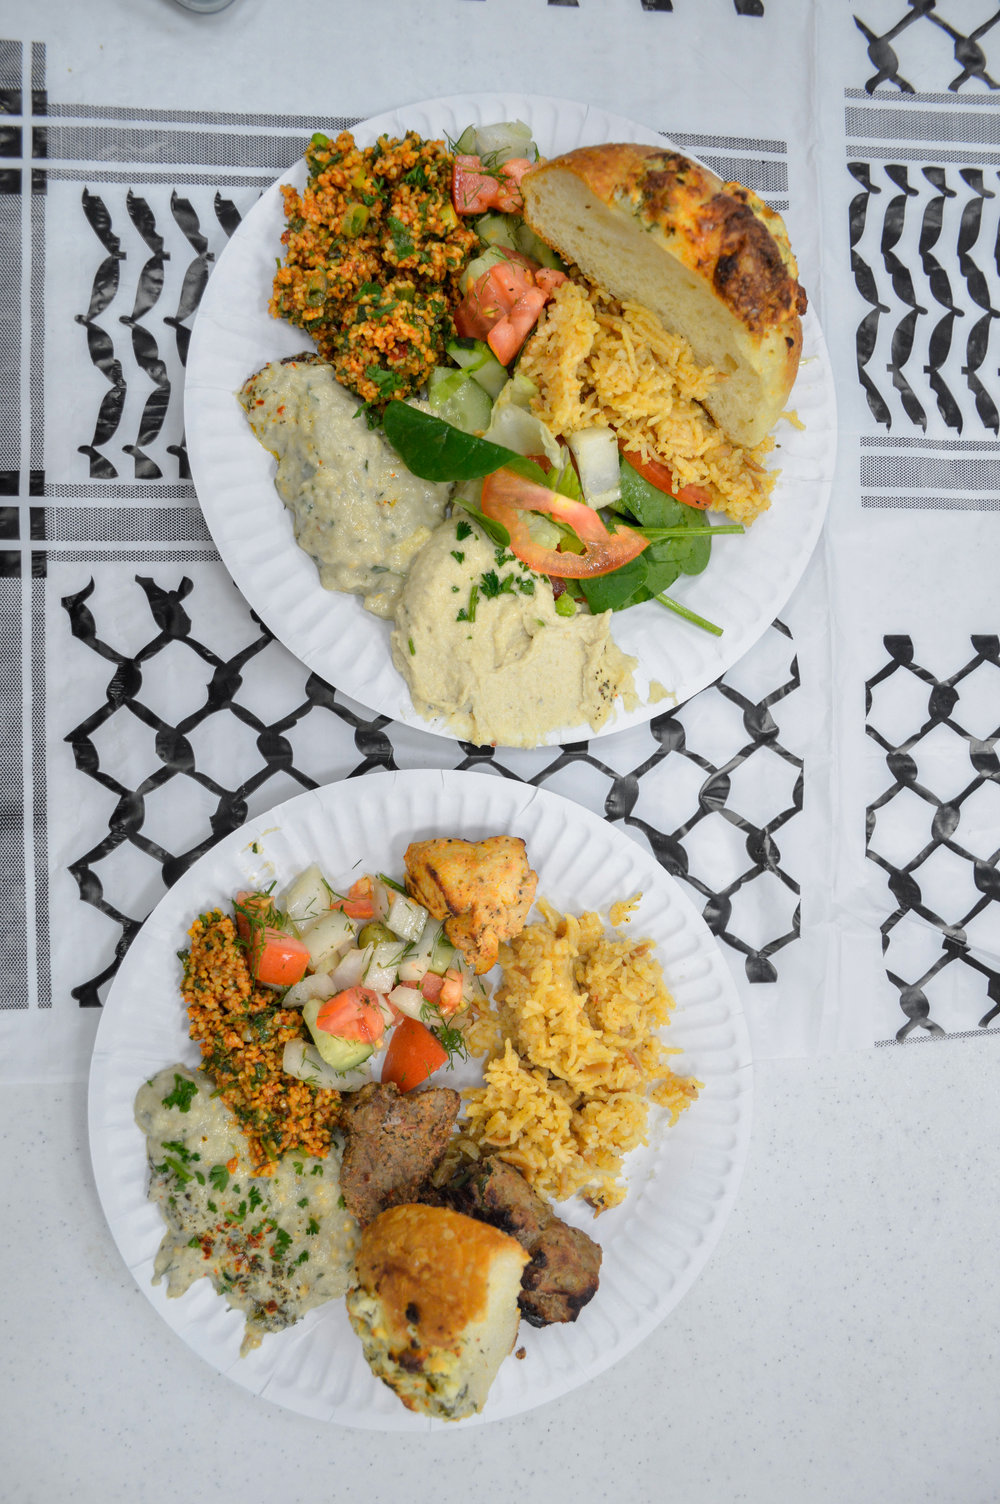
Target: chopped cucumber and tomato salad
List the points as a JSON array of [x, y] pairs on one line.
[[606, 526], [376, 978]]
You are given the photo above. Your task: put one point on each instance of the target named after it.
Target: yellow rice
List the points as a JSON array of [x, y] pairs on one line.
[[598, 362], [568, 1091]]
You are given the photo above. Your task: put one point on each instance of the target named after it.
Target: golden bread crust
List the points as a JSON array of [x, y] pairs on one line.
[[430, 1268], [720, 230], [639, 220]]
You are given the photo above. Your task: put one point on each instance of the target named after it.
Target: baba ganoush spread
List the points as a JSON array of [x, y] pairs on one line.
[[480, 643], [274, 1246], [357, 510]]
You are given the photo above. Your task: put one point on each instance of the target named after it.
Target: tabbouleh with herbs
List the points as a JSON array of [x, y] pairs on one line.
[[242, 1030], [374, 251]]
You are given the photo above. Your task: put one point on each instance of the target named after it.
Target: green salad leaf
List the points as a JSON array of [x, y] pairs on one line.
[[435, 450]]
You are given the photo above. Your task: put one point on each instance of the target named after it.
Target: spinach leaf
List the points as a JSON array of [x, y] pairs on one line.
[[622, 587], [435, 451]]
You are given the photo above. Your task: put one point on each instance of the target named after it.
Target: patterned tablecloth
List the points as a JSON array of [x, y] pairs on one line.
[[831, 804]]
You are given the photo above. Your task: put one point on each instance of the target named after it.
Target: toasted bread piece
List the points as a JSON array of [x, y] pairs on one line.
[[710, 259], [435, 1306]]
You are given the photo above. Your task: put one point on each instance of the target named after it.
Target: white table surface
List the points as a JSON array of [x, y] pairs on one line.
[[840, 1345]]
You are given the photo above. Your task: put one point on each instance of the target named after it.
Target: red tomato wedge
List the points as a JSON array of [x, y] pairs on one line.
[[414, 1053], [352, 1014], [275, 958], [507, 496], [662, 477]]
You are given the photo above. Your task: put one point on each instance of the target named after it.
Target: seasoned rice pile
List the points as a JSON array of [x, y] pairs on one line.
[[596, 361], [242, 1034], [568, 1093]]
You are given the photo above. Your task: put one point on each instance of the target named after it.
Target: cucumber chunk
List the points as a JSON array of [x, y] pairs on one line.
[[459, 400], [478, 361]]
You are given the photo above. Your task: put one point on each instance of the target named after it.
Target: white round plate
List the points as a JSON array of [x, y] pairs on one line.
[[748, 580], [681, 1187]]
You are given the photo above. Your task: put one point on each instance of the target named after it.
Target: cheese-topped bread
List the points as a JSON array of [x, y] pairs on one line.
[[435, 1306], [710, 259]]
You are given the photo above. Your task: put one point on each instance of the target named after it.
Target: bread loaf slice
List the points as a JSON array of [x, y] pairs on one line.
[[710, 259], [435, 1306]]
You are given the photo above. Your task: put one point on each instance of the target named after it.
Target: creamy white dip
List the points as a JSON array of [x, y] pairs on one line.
[[480, 643], [357, 510], [274, 1245]]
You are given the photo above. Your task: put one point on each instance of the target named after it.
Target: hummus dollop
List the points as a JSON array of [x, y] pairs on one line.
[[356, 508], [480, 643]]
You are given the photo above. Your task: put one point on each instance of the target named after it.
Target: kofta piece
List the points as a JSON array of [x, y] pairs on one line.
[[482, 890], [394, 1142], [564, 1271]]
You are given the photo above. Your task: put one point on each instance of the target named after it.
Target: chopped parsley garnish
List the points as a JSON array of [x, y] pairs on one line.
[[402, 240], [183, 1094], [469, 613], [463, 530], [312, 1227], [282, 1243]]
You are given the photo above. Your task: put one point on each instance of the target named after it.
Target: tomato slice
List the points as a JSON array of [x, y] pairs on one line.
[[662, 477], [352, 1014], [414, 1053], [506, 496]]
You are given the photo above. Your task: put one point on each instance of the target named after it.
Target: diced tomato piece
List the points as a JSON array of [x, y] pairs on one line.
[[509, 333], [473, 191], [450, 999], [413, 1055], [549, 278], [662, 477], [352, 1014], [360, 900], [506, 496], [509, 199], [502, 306], [430, 986], [276, 959]]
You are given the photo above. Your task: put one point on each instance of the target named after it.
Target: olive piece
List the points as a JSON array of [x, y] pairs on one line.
[[374, 934]]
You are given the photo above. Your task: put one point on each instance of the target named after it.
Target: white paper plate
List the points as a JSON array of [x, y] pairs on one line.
[[681, 1187], [744, 588]]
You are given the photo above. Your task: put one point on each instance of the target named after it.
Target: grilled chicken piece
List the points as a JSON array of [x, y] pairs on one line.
[[393, 1144], [565, 1263], [481, 889]]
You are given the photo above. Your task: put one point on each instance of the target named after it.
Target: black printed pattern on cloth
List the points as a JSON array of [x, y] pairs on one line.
[[924, 245], [146, 200], [713, 795], [941, 795], [930, 45]]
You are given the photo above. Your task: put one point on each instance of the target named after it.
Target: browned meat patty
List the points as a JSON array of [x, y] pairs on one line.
[[565, 1263], [394, 1141]]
